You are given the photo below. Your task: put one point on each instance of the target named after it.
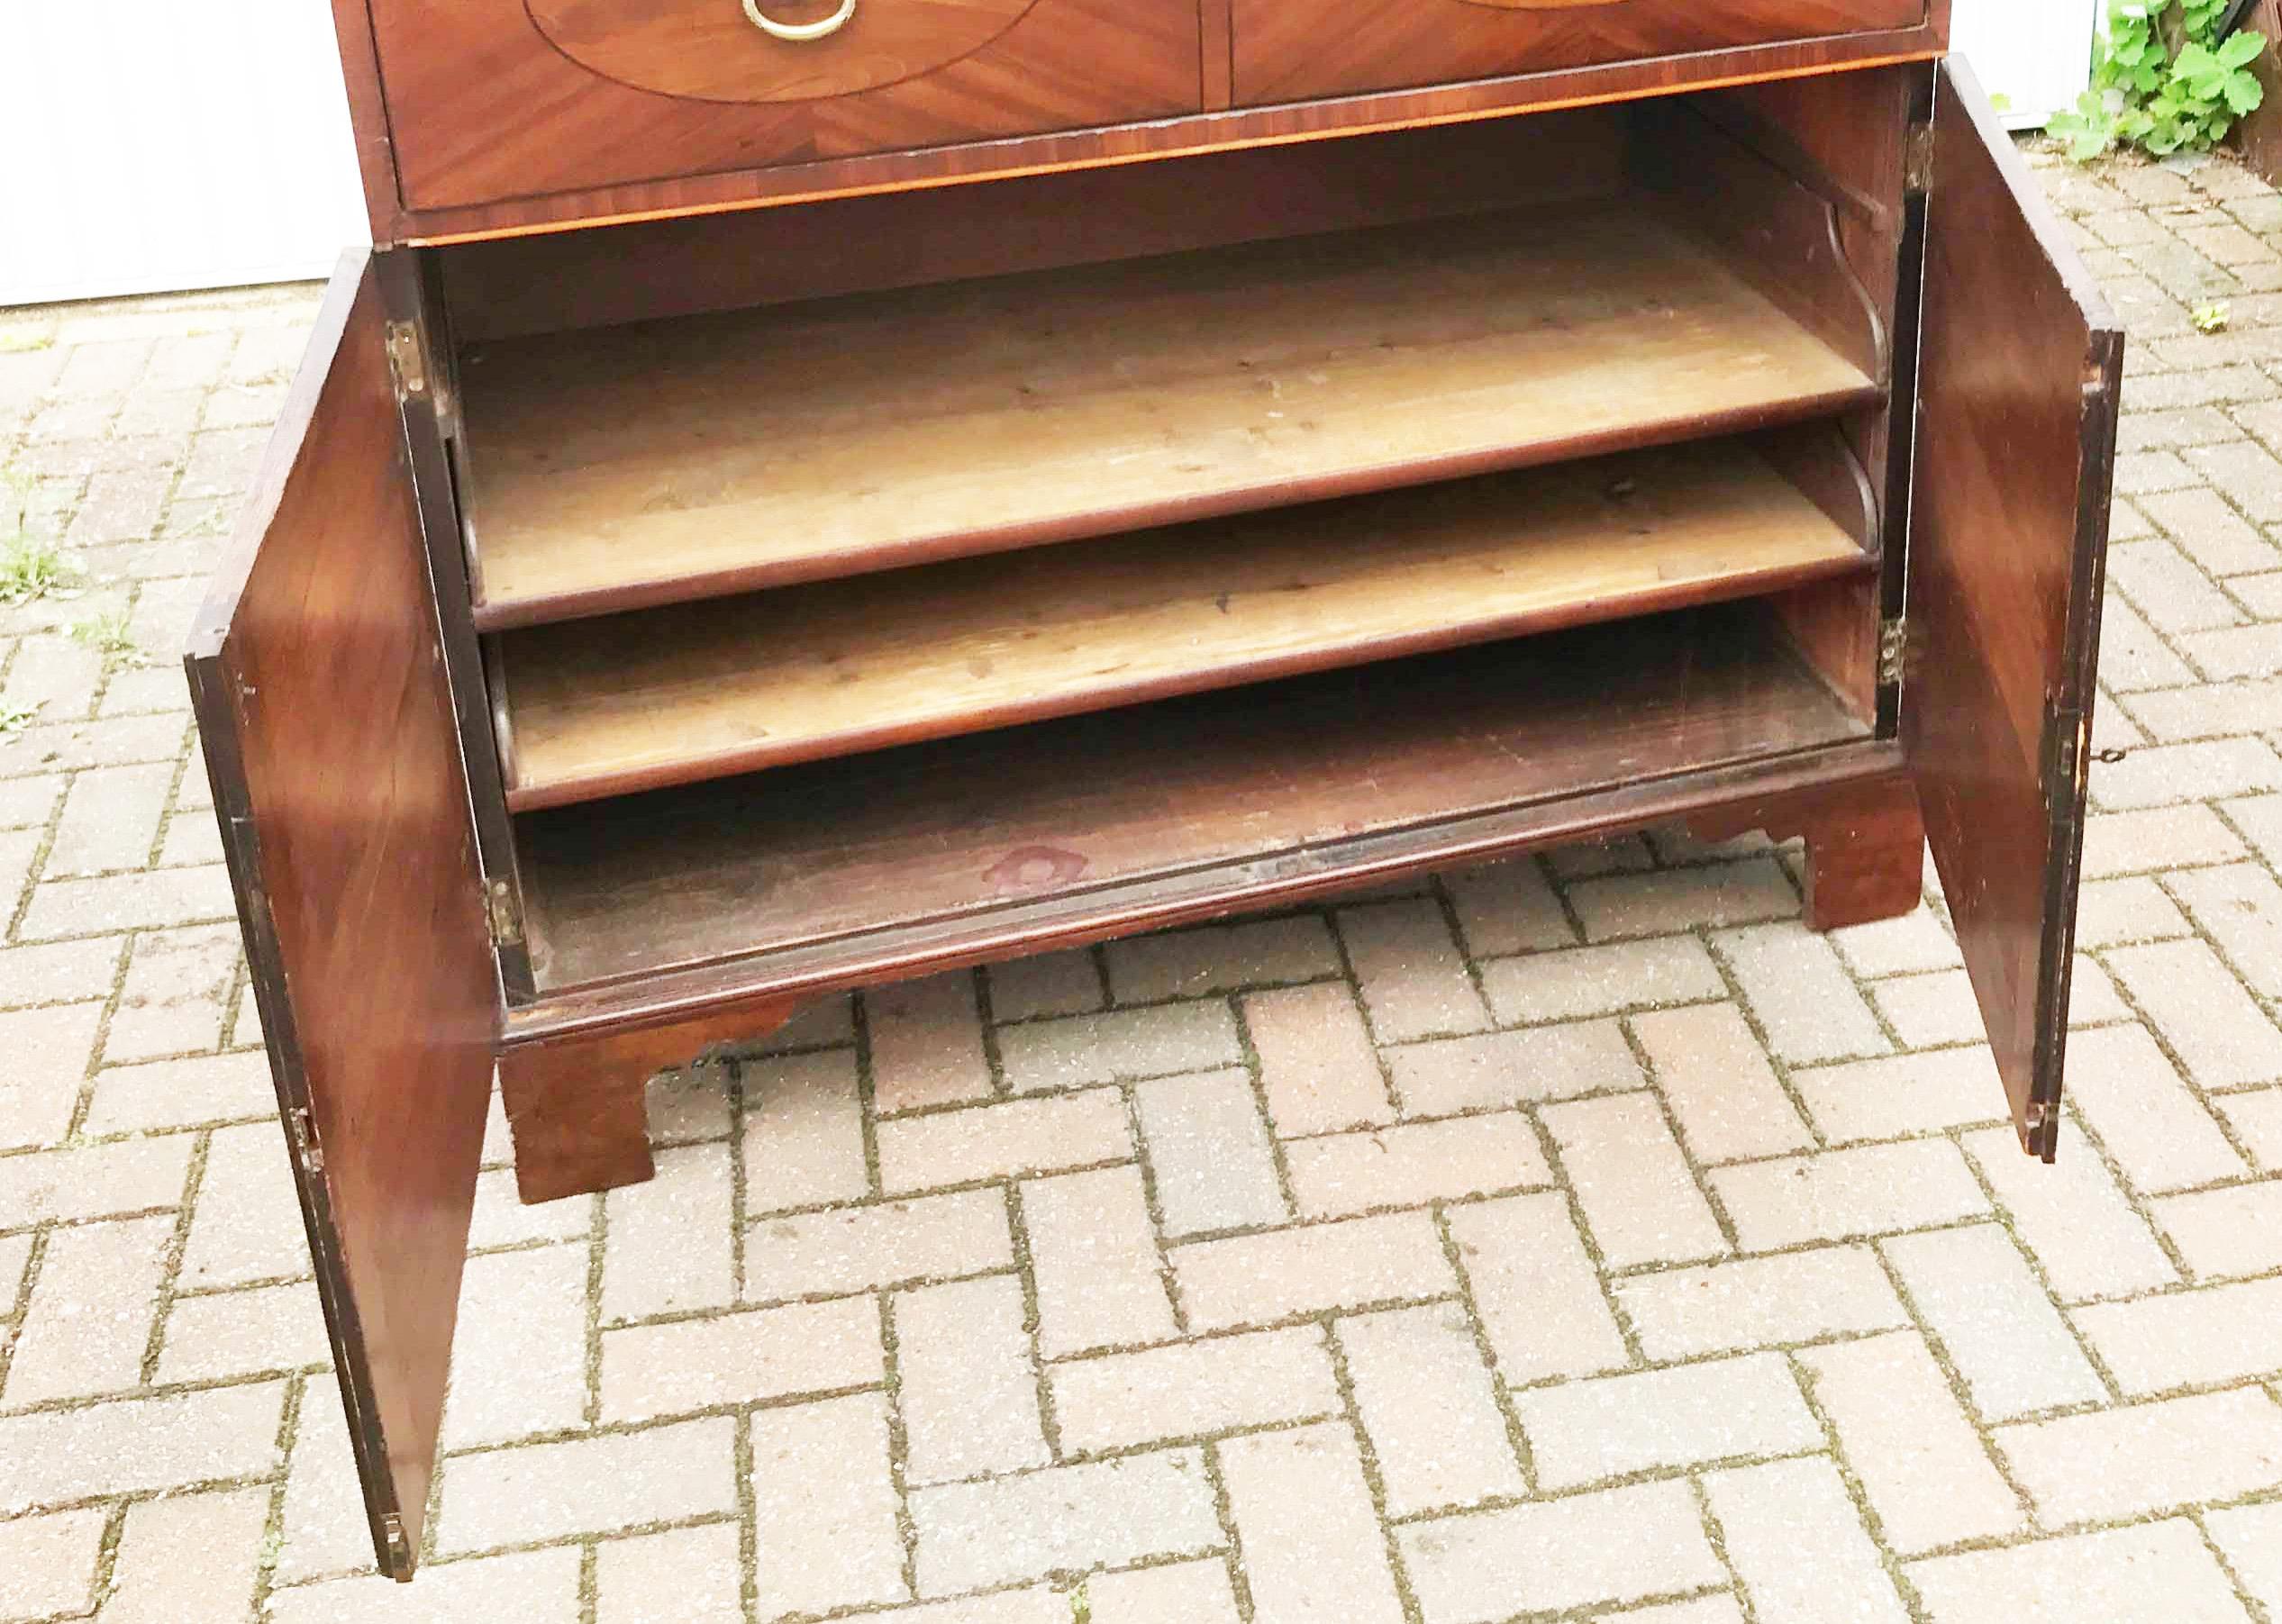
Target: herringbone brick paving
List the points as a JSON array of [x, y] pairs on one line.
[[1575, 1239]]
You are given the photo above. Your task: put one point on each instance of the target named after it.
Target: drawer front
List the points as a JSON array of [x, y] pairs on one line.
[[1291, 49], [490, 100]]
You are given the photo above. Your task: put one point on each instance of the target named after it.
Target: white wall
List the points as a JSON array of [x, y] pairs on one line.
[[2035, 53], [149, 145]]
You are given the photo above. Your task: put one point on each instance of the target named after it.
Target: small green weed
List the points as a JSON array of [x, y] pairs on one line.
[[2212, 318], [1081, 1606], [108, 636], [30, 568], [14, 720]]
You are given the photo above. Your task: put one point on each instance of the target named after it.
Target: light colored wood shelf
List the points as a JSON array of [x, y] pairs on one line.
[[968, 845], [630, 466], [728, 685]]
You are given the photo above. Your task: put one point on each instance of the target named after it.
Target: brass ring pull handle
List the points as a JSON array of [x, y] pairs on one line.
[[797, 31]]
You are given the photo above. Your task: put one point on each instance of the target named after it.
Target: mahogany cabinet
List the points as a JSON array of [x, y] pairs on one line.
[[802, 498]]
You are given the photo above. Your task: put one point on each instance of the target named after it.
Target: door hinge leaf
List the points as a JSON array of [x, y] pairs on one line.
[[392, 1532], [504, 909], [1893, 652], [303, 1128], [2067, 729], [408, 360], [1917, 160]]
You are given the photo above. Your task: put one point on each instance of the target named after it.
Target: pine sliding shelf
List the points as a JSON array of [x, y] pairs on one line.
[[676, 695], [656, 463], [843, 864]]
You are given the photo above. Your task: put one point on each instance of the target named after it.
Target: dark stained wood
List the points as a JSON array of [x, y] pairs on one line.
[[669, 461], [576, 1107], [638, 95], [1288, 51], [741, 182], [1865, 846], [1220, 54], [2260, 136], [368, 118], [737, 261], [2019, 376], [408, 290], [1846, 139], [1779, 234], [329, 727], [1132, 814], [700, 691], [1834, 626]]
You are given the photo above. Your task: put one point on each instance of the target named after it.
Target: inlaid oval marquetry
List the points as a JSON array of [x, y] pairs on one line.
[[709, 49]]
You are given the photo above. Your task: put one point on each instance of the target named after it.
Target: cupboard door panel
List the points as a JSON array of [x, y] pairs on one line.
[[316, 668], [2019, 375]]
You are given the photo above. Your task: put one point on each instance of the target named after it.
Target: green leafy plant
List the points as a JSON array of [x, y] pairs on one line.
[[2212, 318], [2163, 82], [14, 720]]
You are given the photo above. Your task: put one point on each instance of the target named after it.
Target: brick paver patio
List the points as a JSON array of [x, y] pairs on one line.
[[1576, 1239]]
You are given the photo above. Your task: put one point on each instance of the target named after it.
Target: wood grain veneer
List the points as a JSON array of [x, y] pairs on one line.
[[1285, 52], [329, 729], [2019, 375], [718, 454]]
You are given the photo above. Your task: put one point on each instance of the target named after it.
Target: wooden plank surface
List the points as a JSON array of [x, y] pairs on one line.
[[705, 690], [1186, 797], [675, 460], [329, 729]]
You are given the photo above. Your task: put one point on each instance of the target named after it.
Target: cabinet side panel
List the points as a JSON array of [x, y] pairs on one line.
[[329, 733]]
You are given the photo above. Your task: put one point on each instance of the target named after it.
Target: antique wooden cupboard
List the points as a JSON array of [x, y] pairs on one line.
[[814, 493]]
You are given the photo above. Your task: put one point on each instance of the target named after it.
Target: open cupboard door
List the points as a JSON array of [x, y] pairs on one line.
[[318, 677], [2019, 372]]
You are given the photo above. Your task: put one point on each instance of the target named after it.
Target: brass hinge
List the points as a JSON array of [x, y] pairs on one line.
[[2070, 732], [302, 1128], [505, 912], [392, 1530], [1893, 652], [1917, 161], [407, 361]]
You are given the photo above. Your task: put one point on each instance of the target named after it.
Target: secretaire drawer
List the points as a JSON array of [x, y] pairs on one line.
[[494, 99], [1291, 49]]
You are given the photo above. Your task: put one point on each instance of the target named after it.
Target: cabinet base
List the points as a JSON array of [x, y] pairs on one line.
[[576, 1105], [1865, 846], [578, 1108]]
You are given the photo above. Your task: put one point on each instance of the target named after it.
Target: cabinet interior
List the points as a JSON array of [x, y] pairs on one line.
[[844, 565]]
